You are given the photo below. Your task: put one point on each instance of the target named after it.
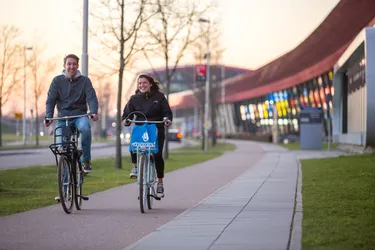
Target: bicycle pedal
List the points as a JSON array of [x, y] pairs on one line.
[[85, 198]]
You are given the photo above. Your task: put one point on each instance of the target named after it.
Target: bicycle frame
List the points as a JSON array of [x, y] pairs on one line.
[[144, 146], [68, 151], [150, 171]]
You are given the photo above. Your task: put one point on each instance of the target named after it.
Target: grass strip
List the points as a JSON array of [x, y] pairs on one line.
[[297, 146], [339, 203]]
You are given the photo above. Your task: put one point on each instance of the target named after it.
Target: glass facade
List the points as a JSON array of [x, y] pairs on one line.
[[256, 116]]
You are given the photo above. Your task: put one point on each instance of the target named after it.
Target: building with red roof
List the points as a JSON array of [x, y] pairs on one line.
[[301, 78]]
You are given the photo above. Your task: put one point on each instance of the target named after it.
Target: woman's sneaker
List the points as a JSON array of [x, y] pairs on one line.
[[160, 190], [133, 173]]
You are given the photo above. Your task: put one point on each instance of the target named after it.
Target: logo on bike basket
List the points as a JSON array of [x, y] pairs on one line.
[[145, 136]]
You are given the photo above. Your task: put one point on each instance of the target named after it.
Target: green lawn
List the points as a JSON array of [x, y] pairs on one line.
[[296, 146], [14, 137], [339, 203], [42, 140], [33, 187]]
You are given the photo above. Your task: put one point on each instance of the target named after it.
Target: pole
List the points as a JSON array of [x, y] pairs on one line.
[[223, 97], [24, 98], [24, 95], [207, 105], [18, 128], [329, 131], [31, 124], [85, 56]]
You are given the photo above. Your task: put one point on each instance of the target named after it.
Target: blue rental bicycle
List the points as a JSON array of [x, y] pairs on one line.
[[144, 143], [70, 172]]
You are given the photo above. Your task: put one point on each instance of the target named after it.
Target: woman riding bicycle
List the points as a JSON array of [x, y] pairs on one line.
[[149, 100]]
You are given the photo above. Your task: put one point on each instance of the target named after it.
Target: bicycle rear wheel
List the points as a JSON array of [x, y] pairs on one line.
[[78, 184], [66, 189], [142, 183]]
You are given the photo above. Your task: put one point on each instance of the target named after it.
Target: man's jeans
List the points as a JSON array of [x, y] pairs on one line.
[[84, 128]]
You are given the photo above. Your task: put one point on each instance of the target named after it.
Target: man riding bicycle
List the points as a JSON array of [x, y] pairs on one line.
[[71, 92]]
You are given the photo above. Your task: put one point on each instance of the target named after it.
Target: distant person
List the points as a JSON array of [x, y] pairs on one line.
[[149, 100], [71, 92]]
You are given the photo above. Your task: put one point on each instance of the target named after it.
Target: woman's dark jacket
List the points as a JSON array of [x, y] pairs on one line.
[[154, 105]]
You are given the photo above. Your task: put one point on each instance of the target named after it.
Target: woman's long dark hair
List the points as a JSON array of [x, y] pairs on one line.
[[155, 86]]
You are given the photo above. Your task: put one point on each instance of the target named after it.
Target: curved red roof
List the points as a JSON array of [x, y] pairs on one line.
[[314, 56]]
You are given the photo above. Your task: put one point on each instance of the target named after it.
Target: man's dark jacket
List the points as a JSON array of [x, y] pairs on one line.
[[71, 96]]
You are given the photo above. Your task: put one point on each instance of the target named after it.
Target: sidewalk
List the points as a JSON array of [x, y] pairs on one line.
[[254, 211]]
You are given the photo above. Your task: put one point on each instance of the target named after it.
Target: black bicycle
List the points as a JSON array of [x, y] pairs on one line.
[[70, 172]]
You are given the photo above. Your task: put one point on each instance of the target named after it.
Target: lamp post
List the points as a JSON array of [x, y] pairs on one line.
[[223, 96], [31, 124], [24, 94], [207, 102], [85, 57]]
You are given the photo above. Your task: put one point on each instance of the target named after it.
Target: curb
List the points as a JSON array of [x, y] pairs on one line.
[[296, 230]]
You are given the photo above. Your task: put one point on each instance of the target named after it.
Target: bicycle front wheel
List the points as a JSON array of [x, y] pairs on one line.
[[151, 190], [142, 183], [66, 187]]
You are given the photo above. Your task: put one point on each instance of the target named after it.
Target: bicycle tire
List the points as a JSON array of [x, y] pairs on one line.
[[151, 190], [65, 183], [142, 183], [78, 183]]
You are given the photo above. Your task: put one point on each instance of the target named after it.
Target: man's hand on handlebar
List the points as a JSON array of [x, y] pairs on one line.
[[94, 117], [47, 122]]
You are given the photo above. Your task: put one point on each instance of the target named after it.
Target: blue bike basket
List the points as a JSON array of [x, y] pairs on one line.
[[144, 138]]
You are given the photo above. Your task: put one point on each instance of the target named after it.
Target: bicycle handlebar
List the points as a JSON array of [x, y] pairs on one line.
[[134, 121], [145, 121], [67, 117]]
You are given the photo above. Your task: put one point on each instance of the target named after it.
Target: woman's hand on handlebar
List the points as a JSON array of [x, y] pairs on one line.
[[168, 123], [126, 122]]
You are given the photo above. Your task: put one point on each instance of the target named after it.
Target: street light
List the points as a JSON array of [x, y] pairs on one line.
[[24, 94], [207, 124], [223, 96]]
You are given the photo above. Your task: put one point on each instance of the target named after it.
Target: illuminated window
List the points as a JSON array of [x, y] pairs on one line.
[[320, 81], [260, 108], [265, 110], [330, 75]]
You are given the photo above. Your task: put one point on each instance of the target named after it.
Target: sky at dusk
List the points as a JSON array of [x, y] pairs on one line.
[[254, 32]]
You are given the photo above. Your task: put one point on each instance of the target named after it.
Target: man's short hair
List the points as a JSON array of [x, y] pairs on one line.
[[71, 56]]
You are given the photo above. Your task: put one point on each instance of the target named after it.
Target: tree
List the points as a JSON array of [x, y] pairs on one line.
[[171, 31], [41, 74], [9, 66], [120, 38]]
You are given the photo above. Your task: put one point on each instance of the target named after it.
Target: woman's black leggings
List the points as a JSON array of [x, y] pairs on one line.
[[159, 161]]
